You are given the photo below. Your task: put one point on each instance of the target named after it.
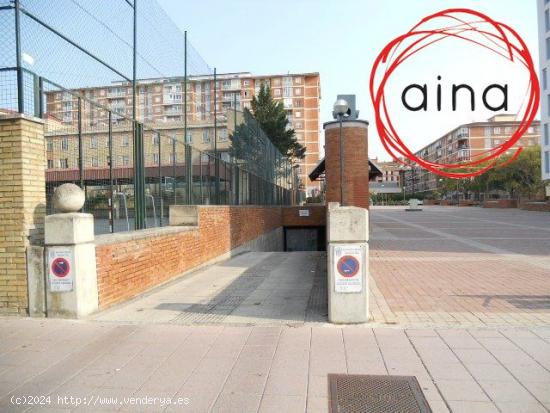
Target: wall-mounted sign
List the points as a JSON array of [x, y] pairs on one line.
[[303, 212], [60, 269], [348, 263]]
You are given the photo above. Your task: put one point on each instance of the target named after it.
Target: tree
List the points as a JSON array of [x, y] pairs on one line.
[[271, 116]]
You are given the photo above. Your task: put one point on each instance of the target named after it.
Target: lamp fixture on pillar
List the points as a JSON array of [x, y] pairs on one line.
[[340, 110]]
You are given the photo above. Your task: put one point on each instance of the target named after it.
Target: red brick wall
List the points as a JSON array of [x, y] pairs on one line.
[[317, 216], [501, 203], [356, 163], [128, 268], [536, 206]]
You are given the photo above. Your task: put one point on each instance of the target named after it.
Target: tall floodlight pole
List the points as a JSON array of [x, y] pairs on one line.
[[216, 161]]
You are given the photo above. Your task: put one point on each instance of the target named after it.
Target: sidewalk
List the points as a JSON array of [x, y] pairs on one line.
[[264, 369]]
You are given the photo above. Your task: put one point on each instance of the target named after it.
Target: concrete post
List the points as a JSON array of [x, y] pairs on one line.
[[348, 272], [70, 258]]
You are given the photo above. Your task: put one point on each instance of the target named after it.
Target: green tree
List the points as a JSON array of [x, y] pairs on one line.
[[271, 116]]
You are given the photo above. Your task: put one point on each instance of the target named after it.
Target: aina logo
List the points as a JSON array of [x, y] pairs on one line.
[[479, 31]]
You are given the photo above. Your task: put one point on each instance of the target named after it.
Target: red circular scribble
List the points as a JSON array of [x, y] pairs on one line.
[[500, 39]]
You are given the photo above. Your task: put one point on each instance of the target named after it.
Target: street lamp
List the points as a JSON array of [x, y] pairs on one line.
[[341, 109]]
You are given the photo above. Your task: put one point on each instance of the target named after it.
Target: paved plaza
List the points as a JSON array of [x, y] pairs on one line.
[[460, 299], [462, 266]]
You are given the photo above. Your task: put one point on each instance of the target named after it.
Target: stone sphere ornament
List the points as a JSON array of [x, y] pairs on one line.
[[68, 198]]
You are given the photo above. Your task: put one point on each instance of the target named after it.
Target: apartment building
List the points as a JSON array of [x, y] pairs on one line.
[[464, 143], [161, 105], [543, 7]]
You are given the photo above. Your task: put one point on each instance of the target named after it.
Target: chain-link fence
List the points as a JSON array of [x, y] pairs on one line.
[[132, 113]]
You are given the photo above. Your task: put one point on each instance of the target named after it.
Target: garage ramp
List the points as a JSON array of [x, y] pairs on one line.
[[270, 288]]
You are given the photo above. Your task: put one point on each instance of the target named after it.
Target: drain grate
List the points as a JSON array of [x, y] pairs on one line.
[[358, 393]]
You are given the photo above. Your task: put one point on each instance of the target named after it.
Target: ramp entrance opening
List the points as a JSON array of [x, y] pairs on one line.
[[305, 239]]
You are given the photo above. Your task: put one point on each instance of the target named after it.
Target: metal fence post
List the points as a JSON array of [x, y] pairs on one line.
[[20, 96], [111, 187], [189, 173], [161, 201], [139, 178], [216, 162], [175, 185], [80, 147]]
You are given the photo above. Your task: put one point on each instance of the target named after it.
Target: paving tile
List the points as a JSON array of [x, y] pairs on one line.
[[475, 356], [489, 372], [506, 392], [276, 403], [457, 390], [282, 384], [241, 402], [473, 407], [317, 405], [519, 407]]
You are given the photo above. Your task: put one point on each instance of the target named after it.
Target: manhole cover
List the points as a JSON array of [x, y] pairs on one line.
[[357, 393]]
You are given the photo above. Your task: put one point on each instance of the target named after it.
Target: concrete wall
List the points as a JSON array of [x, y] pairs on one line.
[[22, 205], [131, 263]]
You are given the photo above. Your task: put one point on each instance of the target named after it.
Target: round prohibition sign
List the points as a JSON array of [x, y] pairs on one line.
[[348, 266], [61, 267]]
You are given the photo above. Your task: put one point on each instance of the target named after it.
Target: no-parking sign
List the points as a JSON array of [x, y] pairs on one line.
[[348, 268], [60, 269]]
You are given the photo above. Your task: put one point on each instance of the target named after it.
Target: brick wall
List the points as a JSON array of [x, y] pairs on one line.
[[536, 206], [356, 162], [128, 268], [22, 205], [501, 203], [317, 216]]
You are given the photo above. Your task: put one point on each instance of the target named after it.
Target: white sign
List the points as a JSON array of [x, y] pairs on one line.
[[60, 269], [348, 268], [303, 212]]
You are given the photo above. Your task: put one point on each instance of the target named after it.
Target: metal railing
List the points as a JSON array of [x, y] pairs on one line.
[[103, 131]]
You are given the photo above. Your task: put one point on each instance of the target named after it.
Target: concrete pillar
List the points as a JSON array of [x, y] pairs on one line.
[[356, 162], [348, 272], [22, 206], [70, 257]]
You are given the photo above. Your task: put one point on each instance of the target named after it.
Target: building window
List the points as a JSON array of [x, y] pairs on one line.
[[297, 91], [50, 163], [547, 162], [93, 142], [277, 92], [205, 136], [544, 81], [125, 160], [548, 48], [297, 114], [64, 144], [156, 158], [546, 20], [94, 163], [298, 80], [189, 138], [496, 131], [287, 92], [546, 138], [125, 140], [246, 82], [64, 163], [530, 129], [225, 156], [49, 145], [223, 135], [156, 139]]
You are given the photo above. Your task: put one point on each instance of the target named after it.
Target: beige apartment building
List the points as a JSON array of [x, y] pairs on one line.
[[161, 106], [464, 143]]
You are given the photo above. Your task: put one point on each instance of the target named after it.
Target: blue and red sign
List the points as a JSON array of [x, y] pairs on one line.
[[61, 267], [348, 266]]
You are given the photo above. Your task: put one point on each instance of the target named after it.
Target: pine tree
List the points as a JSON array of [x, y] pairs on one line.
[[271, 116]]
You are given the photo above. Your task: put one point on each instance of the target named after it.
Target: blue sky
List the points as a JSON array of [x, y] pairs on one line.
[[340, 39]]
